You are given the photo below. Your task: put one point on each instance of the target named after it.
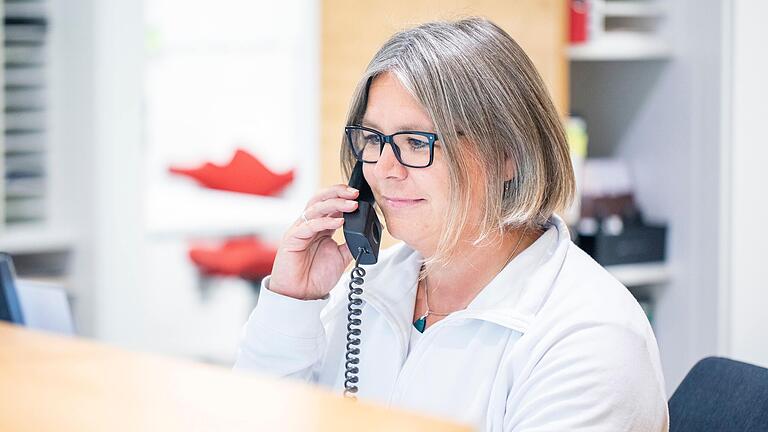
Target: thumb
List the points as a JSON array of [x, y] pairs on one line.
[[346, 254]]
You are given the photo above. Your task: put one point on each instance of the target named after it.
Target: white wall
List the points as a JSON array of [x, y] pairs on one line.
[[117, 232], [745, 282], [71, 146], [146, 294]]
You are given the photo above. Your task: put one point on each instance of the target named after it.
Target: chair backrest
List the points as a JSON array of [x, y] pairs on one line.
[[719, 394]]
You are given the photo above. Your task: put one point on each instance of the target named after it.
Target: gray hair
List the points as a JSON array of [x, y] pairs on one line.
[[488, 104]]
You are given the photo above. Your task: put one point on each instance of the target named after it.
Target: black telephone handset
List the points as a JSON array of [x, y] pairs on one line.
[[362, 232], [362, 229]]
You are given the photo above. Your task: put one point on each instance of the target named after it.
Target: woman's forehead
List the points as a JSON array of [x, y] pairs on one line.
[[392, 107]]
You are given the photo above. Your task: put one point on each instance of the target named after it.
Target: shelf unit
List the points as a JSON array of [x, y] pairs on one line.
[[24, 186], [41, 195], [621, 46], [27, 223], [632, 8], [652, 100], [31, 239], [622, 30]]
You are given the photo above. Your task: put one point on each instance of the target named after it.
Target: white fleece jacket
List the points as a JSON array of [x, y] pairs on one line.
[[553, 343]]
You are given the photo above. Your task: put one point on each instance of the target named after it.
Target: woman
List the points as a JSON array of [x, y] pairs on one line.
[[486, 313]]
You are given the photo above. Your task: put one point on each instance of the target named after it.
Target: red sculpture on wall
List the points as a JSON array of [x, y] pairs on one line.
[[244, 173], [246, 257]]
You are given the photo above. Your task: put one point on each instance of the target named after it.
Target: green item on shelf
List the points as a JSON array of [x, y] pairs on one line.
[[576, 133]]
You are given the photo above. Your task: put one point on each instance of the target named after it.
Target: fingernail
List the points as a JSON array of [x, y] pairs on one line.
[[351, 190], [350, 202]]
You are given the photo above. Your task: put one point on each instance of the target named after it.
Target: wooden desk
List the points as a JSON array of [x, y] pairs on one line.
[[50, 383]]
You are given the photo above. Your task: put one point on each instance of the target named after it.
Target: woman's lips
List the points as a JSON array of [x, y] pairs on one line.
[[401, 202]]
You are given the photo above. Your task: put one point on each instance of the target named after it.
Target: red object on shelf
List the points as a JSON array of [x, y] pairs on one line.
[[579, 12], [244, 173], [245, 257]]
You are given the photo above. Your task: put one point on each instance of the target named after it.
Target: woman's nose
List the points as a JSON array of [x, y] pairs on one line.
[[388, 165]]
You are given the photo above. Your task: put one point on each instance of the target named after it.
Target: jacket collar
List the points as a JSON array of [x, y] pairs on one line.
[[511, 299]]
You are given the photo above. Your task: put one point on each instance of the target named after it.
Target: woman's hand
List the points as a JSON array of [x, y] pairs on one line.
[[309, 263]]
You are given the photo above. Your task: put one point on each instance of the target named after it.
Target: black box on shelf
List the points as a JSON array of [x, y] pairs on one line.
[[634, 244]]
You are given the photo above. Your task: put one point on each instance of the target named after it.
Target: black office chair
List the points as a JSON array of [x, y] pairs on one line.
[[719, 394]]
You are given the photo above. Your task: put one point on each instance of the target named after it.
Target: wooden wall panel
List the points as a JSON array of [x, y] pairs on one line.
[[352, 32]]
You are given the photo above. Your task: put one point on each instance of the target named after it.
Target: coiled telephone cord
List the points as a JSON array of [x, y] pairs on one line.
[[353, 330]]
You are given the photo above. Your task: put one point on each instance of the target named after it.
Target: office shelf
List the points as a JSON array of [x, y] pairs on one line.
[[34, 238], [632, 275], [197, 212], [632, 9], [620, 46], [620, 30]]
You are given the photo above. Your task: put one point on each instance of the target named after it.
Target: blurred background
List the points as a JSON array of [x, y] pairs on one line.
[[153, 153]]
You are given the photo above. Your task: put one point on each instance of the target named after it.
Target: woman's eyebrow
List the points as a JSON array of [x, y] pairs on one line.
[[403, 127]]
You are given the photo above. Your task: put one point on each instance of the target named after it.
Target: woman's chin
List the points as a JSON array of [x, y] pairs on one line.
[[394, 228], [399, 230]]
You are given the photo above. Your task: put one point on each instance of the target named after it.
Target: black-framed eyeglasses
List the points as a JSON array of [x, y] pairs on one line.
[[413, 149]]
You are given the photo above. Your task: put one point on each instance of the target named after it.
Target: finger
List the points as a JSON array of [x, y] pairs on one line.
[[329, 207], [335, 191], [310, 229]]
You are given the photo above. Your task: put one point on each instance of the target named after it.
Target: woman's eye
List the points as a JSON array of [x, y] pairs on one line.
[[371, 139], [418, 144]]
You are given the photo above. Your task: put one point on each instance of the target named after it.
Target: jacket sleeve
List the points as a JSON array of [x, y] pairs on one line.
[[283, 337], [593, 378]]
